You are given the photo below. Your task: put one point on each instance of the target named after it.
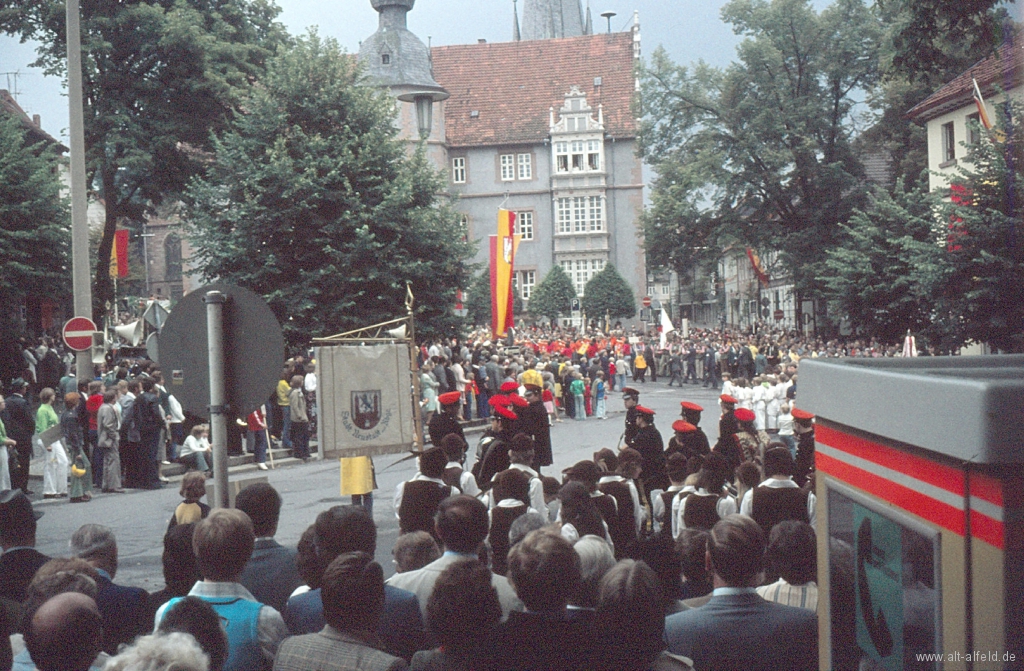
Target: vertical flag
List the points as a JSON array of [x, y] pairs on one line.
[[119, 254], [503, 253], [666, 327], [755, 264], [982, 110]]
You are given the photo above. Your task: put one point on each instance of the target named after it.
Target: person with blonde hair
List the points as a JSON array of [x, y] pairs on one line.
[[196, 448]]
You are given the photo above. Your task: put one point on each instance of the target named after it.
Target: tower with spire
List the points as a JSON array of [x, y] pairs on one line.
[[546, 19]]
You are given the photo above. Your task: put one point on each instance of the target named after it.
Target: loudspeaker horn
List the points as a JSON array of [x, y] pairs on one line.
[[397, 333], [130, 332]]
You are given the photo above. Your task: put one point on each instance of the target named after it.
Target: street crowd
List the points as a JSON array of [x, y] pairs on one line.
[[654, 555]]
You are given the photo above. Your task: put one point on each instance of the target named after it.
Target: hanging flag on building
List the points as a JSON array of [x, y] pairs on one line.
[[755, 263], [982, 110], [119, 254], [503, 253]]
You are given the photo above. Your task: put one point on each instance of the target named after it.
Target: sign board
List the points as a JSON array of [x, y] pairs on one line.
[[78, 332], [779, 314], [253, 351], [364, 400], [646, 301]]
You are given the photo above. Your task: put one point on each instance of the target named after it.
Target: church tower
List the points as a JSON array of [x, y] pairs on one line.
[[396, 58], [546, 19]]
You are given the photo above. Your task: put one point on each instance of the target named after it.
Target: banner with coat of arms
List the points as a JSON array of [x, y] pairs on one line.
[[364, 399]]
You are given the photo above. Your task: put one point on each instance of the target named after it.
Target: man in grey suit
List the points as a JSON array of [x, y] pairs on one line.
[[270, 574], [353, 597], [737, 629], [461, 524]]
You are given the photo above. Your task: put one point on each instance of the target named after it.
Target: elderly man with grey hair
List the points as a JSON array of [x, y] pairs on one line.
[[125, 610], [161, 652]]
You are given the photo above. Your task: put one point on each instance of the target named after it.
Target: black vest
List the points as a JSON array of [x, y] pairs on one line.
[[501, 522], [771, 505], [420, 499], [623, 530], [666, 518], [701, 511], [606, 506]]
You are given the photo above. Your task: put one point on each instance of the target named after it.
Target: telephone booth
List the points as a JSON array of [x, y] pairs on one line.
[[920, 483]]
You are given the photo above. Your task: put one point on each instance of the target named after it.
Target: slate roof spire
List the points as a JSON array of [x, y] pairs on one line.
[[515, 22], [396, 58], [546, 19]]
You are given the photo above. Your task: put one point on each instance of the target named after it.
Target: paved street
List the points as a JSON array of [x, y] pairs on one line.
[[140, 518]]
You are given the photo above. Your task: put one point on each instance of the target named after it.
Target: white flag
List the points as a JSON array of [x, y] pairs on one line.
[[666, 327]]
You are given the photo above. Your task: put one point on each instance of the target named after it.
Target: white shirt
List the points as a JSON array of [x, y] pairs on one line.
[[309, 382], [658, 504], [536, 489], [747, 504], [401, 488], [726, 506], [467, 481], [785, 424]]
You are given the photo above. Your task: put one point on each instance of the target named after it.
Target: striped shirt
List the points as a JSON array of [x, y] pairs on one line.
[[801, 596]]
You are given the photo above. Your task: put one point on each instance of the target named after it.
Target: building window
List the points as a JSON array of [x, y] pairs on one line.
[[581, 270], [508, 167], [525, 166], [664, 290], [459, 170], [577, 155], [524, 225], [464, 223], [593, 154], [385, 59], [948, 143], [973, 129], [172, 258], [561, 157], [527, 280], [580, 214]]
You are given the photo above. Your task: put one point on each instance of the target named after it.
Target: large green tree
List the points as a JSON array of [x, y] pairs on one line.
[[552, 297], [760, 153], [312, 201], [608, 293], [35, 230], [158, 77]]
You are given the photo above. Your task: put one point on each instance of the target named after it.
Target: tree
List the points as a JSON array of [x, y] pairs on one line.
[[980, 286], [552, 297], [760, 153], [35, 230], [877, 277], [312, 202], [607, 292], [158, 77]]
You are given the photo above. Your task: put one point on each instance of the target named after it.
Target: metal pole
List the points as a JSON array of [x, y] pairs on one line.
[[417, 411], [79, 224], [218, 398]]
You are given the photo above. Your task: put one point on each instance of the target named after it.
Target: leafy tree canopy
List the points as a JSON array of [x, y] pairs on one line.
[[552, 297], [313, 202], [607, 292], [158, 77]]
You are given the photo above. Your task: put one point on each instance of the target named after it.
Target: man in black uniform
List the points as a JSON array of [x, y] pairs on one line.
[[417, 500], [803, 426], [446, 421], [630, 399], [691, 413], [533, 421], [492, 451], [727, 424], [686, 441], [649, 444], [21, 424]]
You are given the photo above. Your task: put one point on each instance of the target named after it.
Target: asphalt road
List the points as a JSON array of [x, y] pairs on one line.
[[139, 518]]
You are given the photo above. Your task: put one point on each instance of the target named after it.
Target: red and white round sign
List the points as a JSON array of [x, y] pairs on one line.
[[78, 333], [646, 301]]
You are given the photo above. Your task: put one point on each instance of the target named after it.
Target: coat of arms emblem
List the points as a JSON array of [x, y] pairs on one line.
[[366, 408]]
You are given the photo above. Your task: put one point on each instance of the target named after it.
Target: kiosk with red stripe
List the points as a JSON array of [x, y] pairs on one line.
[[920, 490]]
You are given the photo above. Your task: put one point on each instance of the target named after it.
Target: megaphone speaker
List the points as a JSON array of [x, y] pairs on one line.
[[398, 333], [130, 332]]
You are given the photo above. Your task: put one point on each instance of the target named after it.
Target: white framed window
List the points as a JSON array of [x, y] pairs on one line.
[[508, 167], [593, 154], [525, 163], [580, 214], [527, 280], [561, 156], [581, 270], [664, 290], [459, 170], [578, 155], [948, 142], [524, 225]]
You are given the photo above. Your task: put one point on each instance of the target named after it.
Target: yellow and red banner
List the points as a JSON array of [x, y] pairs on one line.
[[758, 268], [119, 254], [503, 254]]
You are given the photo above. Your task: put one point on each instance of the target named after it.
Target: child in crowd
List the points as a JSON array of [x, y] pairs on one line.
[[193, 488], [786, 428]]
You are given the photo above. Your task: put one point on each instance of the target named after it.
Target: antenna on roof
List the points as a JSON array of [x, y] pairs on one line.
[[608, 15]]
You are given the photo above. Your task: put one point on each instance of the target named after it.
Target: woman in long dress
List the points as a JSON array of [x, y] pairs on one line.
[[81, 484], [55, 469]]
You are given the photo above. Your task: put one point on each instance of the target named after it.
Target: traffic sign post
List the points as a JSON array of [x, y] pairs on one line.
[[646, 301], [77, 333]]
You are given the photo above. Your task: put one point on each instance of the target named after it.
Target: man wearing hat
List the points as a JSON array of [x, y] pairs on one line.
[[727, 422], [691, 413], [533, 420], [492, 452], [683, 440], [778, 498], [416, 500], [21, 424], [803, 427], [446, 421], [649, 444], [630, 399], [20, 559]]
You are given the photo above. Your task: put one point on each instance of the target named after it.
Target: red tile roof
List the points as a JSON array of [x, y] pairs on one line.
[[10, 106], [512, 85], [1002, 71]]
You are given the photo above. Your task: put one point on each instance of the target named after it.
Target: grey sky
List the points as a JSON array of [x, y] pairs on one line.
[[689, 29]]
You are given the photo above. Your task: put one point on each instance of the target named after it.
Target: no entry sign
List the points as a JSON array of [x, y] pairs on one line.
[[78, 333]]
